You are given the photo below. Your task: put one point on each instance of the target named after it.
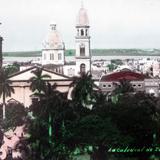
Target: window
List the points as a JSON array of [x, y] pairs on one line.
[[82, 50], [82, 68], [78, 32], [86, 32], [59, 56], [134, 85], [82, 32], [51, 56], [139, 85], [109, 85], [44, 56]]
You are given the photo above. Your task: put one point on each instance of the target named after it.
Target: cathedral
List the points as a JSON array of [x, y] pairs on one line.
[[61, 71], [53, 52], [53, 58]]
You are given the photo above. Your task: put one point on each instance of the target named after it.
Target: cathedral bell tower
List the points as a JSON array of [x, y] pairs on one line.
[[82, 39]]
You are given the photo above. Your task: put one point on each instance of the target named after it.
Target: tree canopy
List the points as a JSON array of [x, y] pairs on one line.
[[5, 88], [38, 80], [61, 128]]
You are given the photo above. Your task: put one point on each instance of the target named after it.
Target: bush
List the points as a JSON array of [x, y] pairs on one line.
[[15, 116]]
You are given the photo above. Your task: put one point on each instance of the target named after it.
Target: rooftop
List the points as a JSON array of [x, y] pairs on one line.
[[127, 75]]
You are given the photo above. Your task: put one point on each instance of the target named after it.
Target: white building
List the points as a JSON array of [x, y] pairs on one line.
[[156, 68], [83, 54], [21, 84], [54, 50]]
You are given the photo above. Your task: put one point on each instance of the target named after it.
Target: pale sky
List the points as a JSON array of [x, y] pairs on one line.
[[113, 23]]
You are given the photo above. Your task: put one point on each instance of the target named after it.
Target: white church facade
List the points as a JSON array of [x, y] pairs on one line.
[[21, 84], [53, 51]]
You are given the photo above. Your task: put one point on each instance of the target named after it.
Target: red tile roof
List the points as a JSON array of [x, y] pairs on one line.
[[128, 75]]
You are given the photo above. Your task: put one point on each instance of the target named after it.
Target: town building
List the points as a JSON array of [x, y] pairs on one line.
[[82, 39], [53, 48], [21, 84], [54, 64], [53, 52], [139, 82]]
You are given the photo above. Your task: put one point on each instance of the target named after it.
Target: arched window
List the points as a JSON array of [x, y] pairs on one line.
[[82, 50], [86, 32], [78, 32], [82, 68], [82, 32]]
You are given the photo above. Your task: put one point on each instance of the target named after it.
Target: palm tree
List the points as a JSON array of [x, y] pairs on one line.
[[44, 90], [48, 113], [82, 92], [124, 87], [5, 88], [38, 81]]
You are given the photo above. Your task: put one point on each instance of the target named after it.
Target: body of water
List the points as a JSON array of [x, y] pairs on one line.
[[72, 58]]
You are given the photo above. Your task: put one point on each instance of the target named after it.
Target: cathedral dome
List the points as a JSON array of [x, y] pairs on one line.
[[53, 40], [82, 18]]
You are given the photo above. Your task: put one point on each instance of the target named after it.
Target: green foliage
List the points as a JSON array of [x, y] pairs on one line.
[[116, 62], [38, 80], [5, 84], [70, 52], [136, 117], [83, 93], [111, 66], [61, 127], [15, 116], [49, 113], [11, 69], [5, 88], [123, 87]]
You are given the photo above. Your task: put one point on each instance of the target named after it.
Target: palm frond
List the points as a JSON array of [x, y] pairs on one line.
[[38, 82]]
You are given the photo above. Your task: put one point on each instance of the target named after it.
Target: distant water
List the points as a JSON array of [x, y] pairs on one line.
[[72, 58], [18, 59]]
